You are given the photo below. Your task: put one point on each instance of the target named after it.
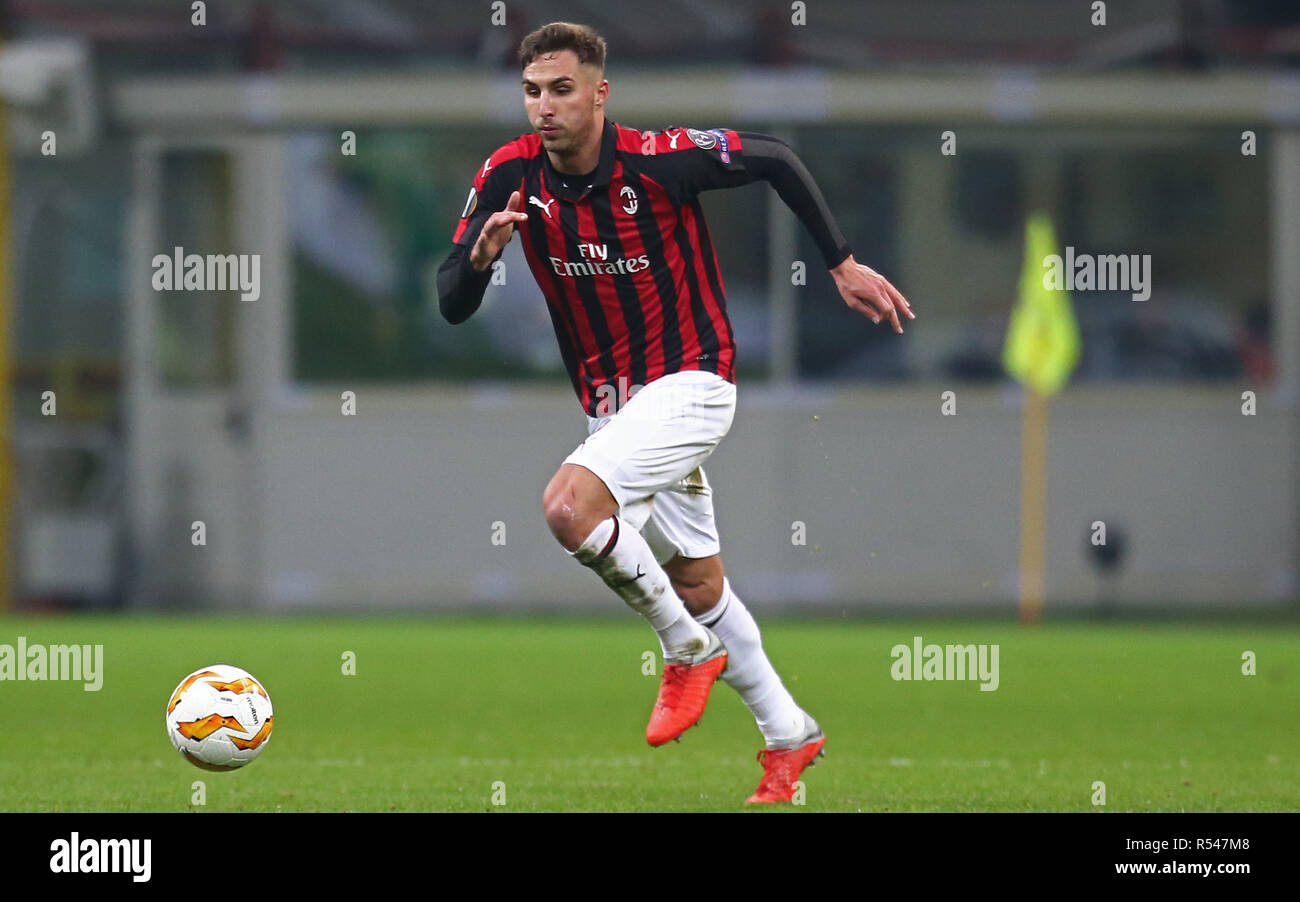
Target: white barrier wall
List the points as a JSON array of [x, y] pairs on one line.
[[397, 507]]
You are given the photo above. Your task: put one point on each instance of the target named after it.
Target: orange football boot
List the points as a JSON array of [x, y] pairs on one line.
[[782, 766], [684, 691]]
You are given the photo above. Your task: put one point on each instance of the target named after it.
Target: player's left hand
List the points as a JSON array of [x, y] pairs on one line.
[[859, 284]]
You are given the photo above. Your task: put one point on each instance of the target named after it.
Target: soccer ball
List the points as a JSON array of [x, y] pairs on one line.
[[219, 717]]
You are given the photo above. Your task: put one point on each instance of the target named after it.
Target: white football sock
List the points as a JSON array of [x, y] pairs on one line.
[[749, 671], [621, 557]]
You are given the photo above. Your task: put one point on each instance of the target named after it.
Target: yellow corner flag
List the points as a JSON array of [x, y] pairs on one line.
[[1042, 350], [1042, 346]]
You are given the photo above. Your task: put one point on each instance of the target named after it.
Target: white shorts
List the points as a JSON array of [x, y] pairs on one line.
[[649, 455]]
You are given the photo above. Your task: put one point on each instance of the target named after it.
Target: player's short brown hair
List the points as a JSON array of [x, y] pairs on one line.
[[581, 39]]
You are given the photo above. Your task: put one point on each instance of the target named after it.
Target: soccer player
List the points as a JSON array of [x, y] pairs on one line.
[[613, 232]]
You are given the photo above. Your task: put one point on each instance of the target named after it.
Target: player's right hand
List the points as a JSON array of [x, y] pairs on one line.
[[860, 284], [496, 233]]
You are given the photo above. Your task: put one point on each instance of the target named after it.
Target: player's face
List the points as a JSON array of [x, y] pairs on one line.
[[563, 99]]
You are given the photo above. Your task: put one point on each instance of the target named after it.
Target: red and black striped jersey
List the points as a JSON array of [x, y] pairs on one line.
[[623, 255]]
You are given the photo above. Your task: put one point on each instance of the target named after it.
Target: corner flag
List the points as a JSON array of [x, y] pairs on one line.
[[1042, 345], [1041, 351]]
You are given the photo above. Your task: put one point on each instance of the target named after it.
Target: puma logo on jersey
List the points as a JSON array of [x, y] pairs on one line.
[[487, 164], [546, 207], [672, 139]]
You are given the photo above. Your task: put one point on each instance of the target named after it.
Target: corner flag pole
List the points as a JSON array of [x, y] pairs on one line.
[[1033, 505], [1041, 350]]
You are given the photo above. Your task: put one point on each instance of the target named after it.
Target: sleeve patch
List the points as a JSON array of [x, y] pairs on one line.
[[702, 140], [724, 149]]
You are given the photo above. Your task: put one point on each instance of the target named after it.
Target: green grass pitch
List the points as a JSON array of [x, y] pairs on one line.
[[553, 711]]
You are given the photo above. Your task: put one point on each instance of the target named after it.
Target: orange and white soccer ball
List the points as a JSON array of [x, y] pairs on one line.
[[220, 717]]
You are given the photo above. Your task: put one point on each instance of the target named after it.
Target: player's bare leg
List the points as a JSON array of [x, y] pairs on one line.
[[583, 516], [793, 740]]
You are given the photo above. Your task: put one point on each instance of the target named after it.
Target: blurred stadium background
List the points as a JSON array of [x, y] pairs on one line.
[[176, 407]]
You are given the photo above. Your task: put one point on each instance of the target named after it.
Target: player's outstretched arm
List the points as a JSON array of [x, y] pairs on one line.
[[771, 159], [464, 275], [871, 294], [862, 288]]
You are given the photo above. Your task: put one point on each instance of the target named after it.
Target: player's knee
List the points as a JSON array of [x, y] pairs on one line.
[[560, 509], [574, 503], [565, 516]]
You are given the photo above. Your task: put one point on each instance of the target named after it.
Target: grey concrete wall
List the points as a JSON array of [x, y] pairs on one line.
[[394, 508]]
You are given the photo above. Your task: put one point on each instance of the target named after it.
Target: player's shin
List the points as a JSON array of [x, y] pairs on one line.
[[749, 671], [621, 557]]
